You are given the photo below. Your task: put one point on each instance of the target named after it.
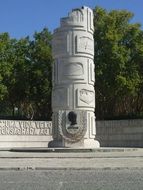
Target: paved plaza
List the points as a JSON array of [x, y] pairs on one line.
[[50, 169], [40, 159]]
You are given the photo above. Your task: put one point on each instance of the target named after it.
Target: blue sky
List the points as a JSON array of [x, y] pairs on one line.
[[23, 17]]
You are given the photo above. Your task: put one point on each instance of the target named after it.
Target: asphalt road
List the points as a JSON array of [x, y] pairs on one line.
[[96, 179]]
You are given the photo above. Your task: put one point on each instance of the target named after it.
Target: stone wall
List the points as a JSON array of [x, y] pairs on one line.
[[15, 133], [120, 133], [115, 133]]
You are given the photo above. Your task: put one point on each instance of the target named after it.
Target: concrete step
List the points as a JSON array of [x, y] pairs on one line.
[[72, 150]]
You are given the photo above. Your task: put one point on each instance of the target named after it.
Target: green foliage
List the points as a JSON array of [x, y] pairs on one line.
[[5, 66], [118, 56], [41, 73], [25, 75]]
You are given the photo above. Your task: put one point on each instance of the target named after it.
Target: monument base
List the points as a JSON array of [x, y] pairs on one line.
[[86, 143], [64, 144], [55, 144], [91, 143]]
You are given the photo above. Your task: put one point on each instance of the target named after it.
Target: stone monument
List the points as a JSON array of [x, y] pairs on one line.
[[73, 95]]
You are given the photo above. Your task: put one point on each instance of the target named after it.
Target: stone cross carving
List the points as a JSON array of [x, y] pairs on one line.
[[73, 95]]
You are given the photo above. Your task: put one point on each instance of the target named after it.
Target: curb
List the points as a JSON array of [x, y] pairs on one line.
[[66, 168], [71, 150], [68, 157]]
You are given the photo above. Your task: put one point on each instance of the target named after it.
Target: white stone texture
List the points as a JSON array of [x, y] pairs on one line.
[[120, 133], [114, 133], [74, 78], [15, 133]]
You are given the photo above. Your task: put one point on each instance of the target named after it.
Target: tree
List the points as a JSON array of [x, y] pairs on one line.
[[18, 86], [25, 75], [5, 69], [118, 55], [40, 74]]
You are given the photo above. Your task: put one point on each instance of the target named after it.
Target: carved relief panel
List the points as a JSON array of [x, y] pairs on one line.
[[90, 26], [84, 44], [60, 97], [73, 71], [91, 132], [91, 72], [72, 124], [59, 39], [75, 18], [84, 97]]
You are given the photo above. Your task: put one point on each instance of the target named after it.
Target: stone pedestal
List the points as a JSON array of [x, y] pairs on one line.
[[73, 95]]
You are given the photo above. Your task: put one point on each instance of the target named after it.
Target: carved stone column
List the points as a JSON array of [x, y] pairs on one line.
[[73, 95]]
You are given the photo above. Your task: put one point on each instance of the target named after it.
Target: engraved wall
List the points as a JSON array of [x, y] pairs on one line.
[[73, 97], [14, 133]]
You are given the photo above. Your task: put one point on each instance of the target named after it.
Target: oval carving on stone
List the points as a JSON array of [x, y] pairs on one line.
[[73, 69]]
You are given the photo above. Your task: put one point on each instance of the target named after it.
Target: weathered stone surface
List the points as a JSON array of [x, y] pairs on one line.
[[15, 133], [120, 133], [73, 80]]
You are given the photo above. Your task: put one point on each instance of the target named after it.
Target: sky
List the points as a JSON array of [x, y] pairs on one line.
[[21, 18]]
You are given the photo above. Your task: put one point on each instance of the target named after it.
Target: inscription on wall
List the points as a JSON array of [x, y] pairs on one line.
[[25, 128]]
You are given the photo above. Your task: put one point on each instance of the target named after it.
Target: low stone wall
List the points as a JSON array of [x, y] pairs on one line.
[[115, 133], [15, 133], [120, 133]]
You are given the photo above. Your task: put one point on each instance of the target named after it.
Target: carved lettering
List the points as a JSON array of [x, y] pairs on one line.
[[22, 128]]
